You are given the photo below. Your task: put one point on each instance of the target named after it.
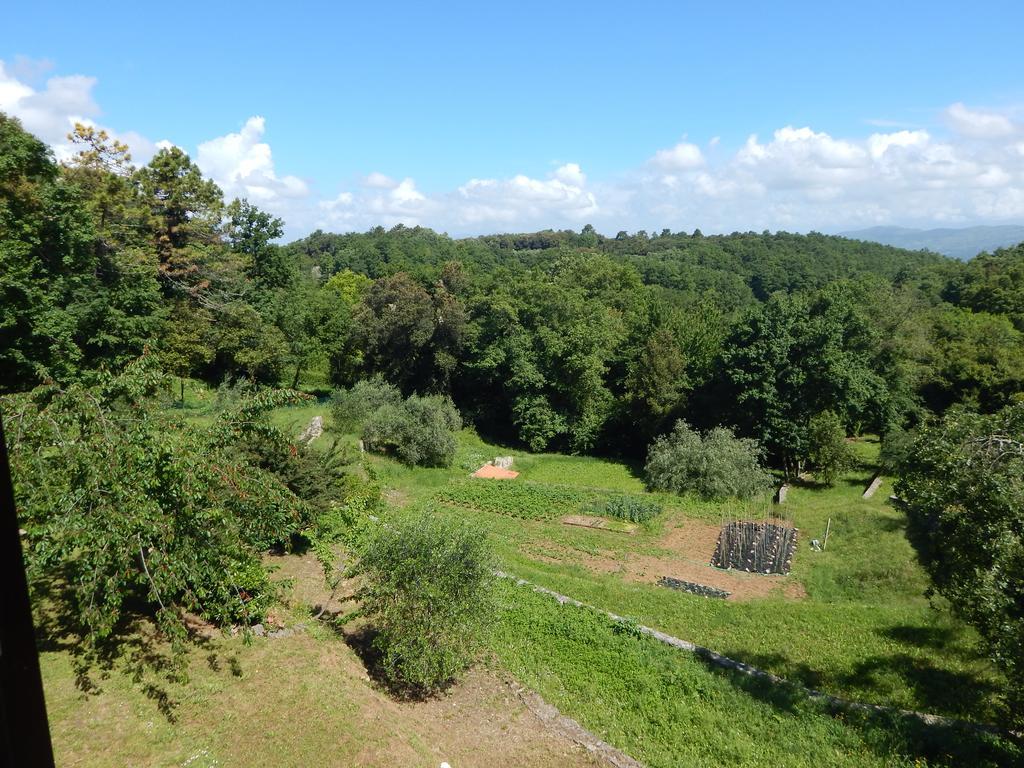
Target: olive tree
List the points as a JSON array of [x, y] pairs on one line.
[[716, 465], [426, 591]]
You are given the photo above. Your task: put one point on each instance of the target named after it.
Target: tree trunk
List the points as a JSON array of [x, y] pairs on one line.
[[182, 391], [295, 381]]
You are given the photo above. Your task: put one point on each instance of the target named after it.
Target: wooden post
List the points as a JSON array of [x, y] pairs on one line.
[[828, 526]]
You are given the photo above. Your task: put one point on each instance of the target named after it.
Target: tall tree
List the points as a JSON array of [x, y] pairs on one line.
[[962, 483], [185, 212]]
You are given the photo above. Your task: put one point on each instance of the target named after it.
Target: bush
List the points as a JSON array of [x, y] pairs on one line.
[[418, 431], [428, 594], [631, 508], [350, 408], [718, 465], [829, 453]]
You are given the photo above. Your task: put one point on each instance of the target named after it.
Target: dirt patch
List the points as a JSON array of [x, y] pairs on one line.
[[686, 551], [305, 576]]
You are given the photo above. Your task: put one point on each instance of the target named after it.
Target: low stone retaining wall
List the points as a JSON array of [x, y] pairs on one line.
[[834, 703], [697, 589]]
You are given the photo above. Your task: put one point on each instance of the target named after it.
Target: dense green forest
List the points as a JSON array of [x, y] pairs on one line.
[[555, 340], [744, 357]]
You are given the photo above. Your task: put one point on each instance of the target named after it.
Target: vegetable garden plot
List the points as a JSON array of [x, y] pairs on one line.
[[757, 547], [527, 501]]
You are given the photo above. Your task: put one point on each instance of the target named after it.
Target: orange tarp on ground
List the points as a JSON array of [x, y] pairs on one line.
[[495, 473]]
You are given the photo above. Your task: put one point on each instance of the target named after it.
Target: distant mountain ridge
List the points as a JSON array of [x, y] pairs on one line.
[[962, 243]]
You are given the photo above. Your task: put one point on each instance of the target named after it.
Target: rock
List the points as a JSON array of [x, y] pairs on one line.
[[259, 630], [505, 462], [688, 586], [313, 430], [287, 632], [872, 487]]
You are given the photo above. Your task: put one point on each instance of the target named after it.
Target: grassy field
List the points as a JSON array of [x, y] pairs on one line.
[[862, 628], [852, 620]]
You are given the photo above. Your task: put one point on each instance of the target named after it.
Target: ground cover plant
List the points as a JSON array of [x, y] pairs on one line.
[[630, 508]]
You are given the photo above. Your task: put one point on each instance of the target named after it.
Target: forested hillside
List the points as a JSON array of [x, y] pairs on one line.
[[556, 340]]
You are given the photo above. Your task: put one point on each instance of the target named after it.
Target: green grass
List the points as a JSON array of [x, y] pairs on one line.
[[666, 708], [865, 630]]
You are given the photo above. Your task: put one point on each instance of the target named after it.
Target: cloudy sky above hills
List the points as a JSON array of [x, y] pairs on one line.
[[473, 121]]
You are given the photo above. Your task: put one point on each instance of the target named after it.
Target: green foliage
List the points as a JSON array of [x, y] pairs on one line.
[[419, 431], [525, 500], [717, 465], [68, 301], [122, 505], [974, 358], [963, 486], [409, 335], [993, 283], [797, 356], [350, 408], [427, 593], [828, 451], [630, 508]]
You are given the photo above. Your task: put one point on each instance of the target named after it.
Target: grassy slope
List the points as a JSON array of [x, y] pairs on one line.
[[865, 630], [666, 709]]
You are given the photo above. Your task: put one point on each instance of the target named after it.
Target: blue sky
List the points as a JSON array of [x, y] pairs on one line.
[[558, 110]]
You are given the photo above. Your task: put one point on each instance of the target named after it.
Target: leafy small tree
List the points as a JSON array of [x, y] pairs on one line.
[[350, 408], [427, 592], [828, 450], [717, 465], [418, 431], [962, 483], [123, 507]]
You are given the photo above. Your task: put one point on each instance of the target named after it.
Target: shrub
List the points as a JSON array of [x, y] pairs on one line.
[[717, 465], [631, 508], [428, 594], [418, 431], [350, 408], [828, 451]]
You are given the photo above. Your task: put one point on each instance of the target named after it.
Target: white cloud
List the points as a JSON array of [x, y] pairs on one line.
[[51, 113], [979, 123], [966, 167], [380, 181], [571, 174], [682, 157], [243, 165]]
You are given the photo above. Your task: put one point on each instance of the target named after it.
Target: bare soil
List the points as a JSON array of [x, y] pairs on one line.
[[687, 549]]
